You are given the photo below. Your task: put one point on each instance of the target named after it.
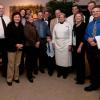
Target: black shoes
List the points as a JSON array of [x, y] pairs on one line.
[[36, 72], [9, 83], [58, 75], [91, 88], [17, 81], [42, 71], [64, 77], [30, 80], [50, 73], [4, 75], [33, 76], [80, 83]]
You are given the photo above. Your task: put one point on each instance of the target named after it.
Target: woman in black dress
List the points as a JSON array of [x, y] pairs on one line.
[[78, 47]]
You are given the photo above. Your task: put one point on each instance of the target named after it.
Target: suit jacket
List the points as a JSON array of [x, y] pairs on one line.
[[15, 35], [53, 22], [31, 35], [48, 21]]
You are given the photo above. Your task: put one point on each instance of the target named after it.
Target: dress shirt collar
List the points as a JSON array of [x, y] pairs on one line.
[[97, 20]]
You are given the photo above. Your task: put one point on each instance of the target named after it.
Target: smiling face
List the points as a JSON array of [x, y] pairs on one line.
[[62, 18], [91, 6], [57, 13], [16, 18], [75, 9], [22, 12], [40, 15], [79, 18], [30, 19], [96, 12], [46, 14], [1, 10]]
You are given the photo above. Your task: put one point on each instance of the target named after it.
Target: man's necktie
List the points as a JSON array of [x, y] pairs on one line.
[[48, 47], [94, 29], [4, 24]]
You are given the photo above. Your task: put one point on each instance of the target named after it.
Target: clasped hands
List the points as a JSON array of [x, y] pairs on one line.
[[19, 46], [91, 41]]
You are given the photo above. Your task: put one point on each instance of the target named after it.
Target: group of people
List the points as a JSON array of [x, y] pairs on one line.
[[37, 41]]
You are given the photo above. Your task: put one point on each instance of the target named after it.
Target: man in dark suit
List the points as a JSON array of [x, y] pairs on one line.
[[88, 14], [4, 20], [47, 17]]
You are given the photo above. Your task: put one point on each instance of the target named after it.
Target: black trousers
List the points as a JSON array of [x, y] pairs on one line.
[[79, 63], [62, 71], [93, 55], [4, 55], [22, 63], [30, 61], [50, 64], [42, 54]]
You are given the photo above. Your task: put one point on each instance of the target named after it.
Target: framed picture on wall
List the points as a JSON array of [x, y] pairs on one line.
[[33, 8]]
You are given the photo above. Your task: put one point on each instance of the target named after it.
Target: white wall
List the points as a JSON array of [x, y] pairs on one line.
[[8, 3]]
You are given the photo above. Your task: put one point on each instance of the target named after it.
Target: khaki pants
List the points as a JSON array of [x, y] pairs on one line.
[[13, 65]]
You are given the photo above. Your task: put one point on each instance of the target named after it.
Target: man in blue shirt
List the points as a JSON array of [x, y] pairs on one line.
[[43, 31], [41, 25], [93, 29]]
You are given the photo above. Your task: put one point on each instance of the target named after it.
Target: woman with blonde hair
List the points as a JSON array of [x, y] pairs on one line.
[[78, 47]]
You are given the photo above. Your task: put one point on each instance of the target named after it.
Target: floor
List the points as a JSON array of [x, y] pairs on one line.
[[45, 87]]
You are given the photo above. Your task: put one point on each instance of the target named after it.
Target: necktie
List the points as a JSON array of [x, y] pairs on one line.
[[3, 24], [94, 29], [48, 47]]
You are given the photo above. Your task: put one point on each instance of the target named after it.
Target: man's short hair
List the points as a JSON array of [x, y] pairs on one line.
[[98, 6], [92, 2]]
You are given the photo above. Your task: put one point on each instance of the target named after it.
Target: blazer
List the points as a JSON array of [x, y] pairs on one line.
[[53, 22], [15, 35], [31, 35]]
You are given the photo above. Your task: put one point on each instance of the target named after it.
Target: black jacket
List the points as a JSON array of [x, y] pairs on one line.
[[15, 35], [79, 33]]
